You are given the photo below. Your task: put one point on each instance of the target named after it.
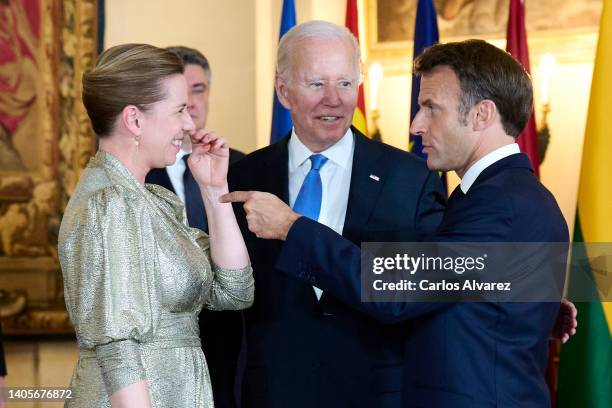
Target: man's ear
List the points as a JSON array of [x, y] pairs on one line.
[[282, 92], [131, 118], [485, 114]]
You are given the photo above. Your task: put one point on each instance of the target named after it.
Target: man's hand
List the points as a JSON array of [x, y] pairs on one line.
[[566, 323], [268, 217]]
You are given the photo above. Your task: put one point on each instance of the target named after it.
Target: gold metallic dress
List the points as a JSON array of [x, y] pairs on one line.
[[136, 277]]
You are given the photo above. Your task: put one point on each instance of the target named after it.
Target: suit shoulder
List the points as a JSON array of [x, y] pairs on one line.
[[256, 158], [235, 155], [246, 172], [401, 157], [402, 164], [532, 207]]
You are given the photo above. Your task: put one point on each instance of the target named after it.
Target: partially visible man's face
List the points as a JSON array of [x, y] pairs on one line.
[[198, 85], [321, 90], [449, 144]]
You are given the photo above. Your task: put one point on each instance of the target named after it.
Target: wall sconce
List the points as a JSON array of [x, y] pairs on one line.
[[547, 67], [375, 74]]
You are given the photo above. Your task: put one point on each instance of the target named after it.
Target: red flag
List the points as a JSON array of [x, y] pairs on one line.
[[352, 23], [517, 46], [528, 141]]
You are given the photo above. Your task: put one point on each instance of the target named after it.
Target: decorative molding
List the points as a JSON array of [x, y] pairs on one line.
[[572, 46]]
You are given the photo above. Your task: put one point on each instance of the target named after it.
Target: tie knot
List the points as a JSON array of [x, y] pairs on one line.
[[317, 160]]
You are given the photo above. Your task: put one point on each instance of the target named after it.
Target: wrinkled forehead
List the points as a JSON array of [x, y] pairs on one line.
[[324, 56]]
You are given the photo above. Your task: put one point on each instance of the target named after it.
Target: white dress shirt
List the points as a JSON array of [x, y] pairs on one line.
[[496, 155], [176, 172], [335, 179]]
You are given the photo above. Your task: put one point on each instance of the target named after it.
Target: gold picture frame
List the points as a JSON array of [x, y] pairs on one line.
[[568, 29], [33, 195]]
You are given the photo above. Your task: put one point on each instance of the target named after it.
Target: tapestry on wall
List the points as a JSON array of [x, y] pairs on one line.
[[45, 141]]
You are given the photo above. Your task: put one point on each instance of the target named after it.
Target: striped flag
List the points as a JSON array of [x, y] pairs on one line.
[[352, 23], [516, 45], [281, 118], [425, 35], [585, 371]]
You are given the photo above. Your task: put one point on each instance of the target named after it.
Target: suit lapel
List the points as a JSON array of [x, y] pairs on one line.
[[276, 179], [161, 178], [364, 190], [276, 174]]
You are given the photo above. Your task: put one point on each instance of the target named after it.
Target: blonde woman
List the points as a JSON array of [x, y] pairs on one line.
[[136, 276]]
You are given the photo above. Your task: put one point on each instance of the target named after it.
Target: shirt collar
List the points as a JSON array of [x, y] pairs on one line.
[[182, 153], [339, 153], [496, 155]]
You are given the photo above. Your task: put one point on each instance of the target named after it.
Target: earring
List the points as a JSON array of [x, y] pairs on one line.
[[136, 142]]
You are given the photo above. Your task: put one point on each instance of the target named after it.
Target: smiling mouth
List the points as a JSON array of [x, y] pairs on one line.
[[177, 142], [329, 118]]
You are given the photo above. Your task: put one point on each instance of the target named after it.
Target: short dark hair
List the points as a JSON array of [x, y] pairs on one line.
[[192, 56], [484, 72]]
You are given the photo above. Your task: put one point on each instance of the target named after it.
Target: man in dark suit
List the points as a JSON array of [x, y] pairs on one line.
[[220, 331], [304, 347], [474, 101]]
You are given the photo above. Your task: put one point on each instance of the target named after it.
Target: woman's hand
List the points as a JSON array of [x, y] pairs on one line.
[[209, 159]]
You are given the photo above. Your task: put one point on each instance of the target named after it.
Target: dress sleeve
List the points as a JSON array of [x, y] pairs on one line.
[[232, 289], [110, 277]]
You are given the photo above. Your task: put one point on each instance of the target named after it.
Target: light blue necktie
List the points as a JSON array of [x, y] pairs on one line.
[[308, 201]]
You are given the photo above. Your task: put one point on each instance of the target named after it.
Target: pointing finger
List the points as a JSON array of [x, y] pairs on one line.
[[235, 197]]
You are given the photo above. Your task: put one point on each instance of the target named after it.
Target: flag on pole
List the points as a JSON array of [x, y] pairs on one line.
[[516, 45], [281, 118], [352, 23], [425, 35], [585, 369]]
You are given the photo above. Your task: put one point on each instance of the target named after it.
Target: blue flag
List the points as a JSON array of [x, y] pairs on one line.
[[425, 35], [281, 119]]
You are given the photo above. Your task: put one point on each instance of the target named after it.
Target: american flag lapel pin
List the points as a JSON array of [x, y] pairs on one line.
[[374, 177]]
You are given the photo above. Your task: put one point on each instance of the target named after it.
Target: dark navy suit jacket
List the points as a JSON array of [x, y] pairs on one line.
[[220, 331], [160, 176], [305, 353], [457, 354]]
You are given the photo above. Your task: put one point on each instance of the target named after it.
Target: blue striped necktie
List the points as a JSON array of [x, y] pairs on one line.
[[308, 201]]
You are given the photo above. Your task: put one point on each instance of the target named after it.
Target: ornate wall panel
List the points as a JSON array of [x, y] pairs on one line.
[[48, 142]]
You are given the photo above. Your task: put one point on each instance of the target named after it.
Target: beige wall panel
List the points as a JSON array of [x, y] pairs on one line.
[[223, 30]]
